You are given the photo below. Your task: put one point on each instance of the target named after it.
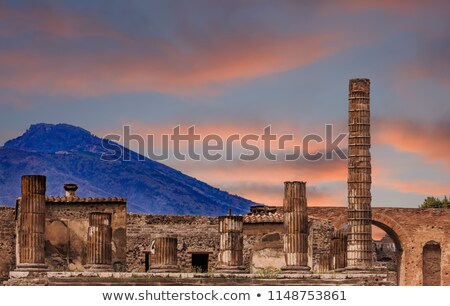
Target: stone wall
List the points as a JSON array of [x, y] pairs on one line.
[[411, 229], [319, 242], [195, 235], [263, 247], [66, 232], [7, 240]]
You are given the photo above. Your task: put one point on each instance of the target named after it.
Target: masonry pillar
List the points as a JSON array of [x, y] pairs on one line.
[[165, 257], [231, 244], [32, 224], [339, 249], [296, 228], [99, 249], [359, 251]]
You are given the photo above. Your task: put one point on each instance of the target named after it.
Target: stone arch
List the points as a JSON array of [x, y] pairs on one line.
[[431, 263], [398, 235], [391, 227]]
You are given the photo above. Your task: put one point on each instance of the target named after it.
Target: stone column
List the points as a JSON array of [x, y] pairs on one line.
[[339, 250], [32, 224], [295, 228], [99, 249], [231, 244], [359, 251], [165, 257]]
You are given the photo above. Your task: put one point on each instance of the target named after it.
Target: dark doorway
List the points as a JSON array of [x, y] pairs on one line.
[[432, 264], [147, 261], [200, 263]]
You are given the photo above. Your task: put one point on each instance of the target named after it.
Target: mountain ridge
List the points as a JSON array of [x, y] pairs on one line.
[[70, 154]]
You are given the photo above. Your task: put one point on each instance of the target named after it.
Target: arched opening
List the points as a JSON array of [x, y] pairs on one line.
[[387, 249], [431, 268]]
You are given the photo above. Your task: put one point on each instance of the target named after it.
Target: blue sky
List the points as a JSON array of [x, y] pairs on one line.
[[235, 67]]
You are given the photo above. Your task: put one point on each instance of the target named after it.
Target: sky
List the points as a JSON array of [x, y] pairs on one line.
[[235, 67]]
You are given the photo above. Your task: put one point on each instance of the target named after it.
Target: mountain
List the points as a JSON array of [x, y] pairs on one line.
[[69, 154]]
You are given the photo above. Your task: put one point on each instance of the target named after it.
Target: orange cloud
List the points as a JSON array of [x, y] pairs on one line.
[[260, 180], [426, 188], [429, 140], [226, 129], [163, 66], [377, 233]]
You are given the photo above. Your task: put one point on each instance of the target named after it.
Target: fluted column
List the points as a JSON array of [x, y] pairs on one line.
[[231, 244], [339, 249], [296, 228], [99, 249], [359, 251], [32, 224], [165, 256]]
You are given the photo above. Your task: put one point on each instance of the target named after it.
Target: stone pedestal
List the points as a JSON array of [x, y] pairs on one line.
[[359, 250], [165, 257], [231, 244], [99, 249], [32, 224], [296, 228]]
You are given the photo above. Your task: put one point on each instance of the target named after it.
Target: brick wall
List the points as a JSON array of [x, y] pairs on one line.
[[411, 229]]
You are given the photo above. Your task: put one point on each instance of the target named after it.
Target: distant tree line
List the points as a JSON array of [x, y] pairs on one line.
[[435, 202]]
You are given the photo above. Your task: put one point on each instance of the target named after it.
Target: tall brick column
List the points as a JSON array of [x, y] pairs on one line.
[[99, 248], [165, 257], [231, 244], [296, 228], [359, 251], [32, 224]]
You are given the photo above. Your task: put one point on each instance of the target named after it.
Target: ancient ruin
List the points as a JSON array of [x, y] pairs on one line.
[[69, 240], [165, 255], [231, 244], [295, 228], [31, 225], [359, 252]]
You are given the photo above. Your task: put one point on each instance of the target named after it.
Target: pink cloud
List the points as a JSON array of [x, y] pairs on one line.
[[194, 65], [431, 141], [162, 66], [48, 20]]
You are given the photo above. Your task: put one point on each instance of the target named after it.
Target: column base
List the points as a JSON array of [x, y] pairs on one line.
[[231, 269], [296, 269], [99, 268], [32, 267], [164, 269]]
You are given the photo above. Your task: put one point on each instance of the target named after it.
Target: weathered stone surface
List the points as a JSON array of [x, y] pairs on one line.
[[432, 264], [99, 249], [31, 225], [194, 234], [165, 255], [7, 241], [411, 229], [192, 279], [359, 250], [66, 249], [231, 244], [295, 227]]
